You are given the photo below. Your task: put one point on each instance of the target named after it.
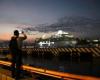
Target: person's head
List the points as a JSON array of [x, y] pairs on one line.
[[16, 33]]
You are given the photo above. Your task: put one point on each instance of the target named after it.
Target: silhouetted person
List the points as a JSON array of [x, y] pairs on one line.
[[16, 51]]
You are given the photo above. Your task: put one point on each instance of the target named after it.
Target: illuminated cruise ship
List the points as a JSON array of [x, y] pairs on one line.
[[60, 39]]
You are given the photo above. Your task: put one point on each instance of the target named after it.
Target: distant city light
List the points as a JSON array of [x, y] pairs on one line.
[[95, 40]]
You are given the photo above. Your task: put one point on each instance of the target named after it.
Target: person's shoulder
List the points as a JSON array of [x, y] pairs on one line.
[[22, 38], [13, 37]]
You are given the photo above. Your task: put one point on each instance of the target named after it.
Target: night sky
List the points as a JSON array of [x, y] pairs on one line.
[[34, 12]]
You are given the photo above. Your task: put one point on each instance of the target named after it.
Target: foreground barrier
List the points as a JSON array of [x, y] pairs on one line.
[[56, 74], [5, 77]]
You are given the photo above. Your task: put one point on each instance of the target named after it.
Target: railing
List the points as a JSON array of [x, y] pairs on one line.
[[90, 51], [56, 74], [4, 77]]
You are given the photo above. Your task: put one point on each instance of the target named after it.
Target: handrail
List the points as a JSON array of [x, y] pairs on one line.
[[5, 77], [56, 74]]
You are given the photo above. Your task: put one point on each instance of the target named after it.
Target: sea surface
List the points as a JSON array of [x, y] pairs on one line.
[[89, 67]]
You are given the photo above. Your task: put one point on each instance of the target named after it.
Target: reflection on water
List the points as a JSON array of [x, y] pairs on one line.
[[77, 66], [72, 65]]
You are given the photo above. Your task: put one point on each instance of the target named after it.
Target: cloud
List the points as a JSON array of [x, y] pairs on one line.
[[82, 26]]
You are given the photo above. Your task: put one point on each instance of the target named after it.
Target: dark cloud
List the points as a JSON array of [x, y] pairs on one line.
[[87, 27]]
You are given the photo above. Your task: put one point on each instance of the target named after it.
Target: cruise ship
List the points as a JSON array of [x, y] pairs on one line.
[[59, 39]]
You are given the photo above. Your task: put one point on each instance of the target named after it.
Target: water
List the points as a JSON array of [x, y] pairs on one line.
[[85, 66], [76, 66]]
